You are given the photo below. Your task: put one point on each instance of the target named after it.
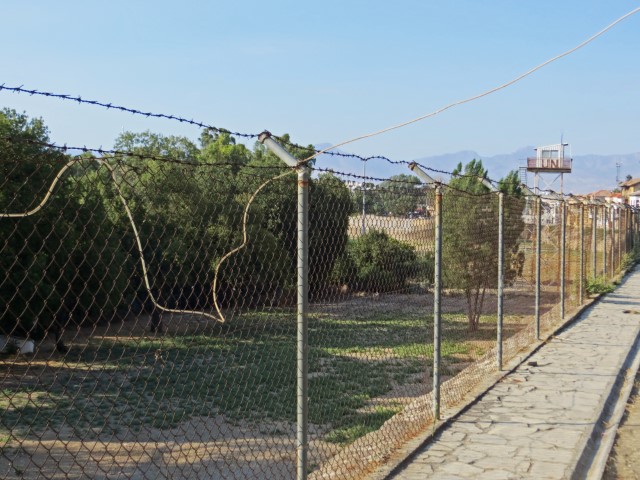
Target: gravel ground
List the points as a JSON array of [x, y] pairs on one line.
[[624, 461]]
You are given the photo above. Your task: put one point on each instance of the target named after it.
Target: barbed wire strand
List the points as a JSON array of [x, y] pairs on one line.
[[327, 150], [140, 156], [135, 111], [476, 97], [120, 153], [129, 153]]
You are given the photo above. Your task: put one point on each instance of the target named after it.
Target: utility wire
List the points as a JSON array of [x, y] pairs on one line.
[[484, 94]]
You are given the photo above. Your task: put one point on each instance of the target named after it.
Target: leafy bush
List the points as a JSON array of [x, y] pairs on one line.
[[598, 285], [629, 259], [376, 262]]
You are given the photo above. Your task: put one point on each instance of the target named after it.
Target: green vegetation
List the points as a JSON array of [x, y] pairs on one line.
[[365, 423], [398, 196], [470, 235], [598, 285], [245, 370], [376, 262], [76, 261], [60, 262], [629, 260]]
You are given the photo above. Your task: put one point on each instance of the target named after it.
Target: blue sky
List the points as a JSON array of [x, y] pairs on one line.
[[331, 70]]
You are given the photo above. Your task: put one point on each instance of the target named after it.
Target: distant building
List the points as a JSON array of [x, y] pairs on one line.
[[631, 192], [606, 196]]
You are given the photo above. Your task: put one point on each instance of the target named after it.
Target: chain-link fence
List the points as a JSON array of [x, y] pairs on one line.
[[154, 325]]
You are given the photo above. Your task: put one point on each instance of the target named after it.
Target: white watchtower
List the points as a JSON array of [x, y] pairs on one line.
[[550, 159]]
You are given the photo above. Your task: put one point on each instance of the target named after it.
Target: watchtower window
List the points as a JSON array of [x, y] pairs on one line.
[[550, 154]]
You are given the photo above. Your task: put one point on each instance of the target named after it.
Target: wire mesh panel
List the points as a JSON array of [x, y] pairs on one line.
[[371, 330], [573, 256], [602, 230], [150, 313], [120, 284], [470, 280], [590, 241], [520, 262], [550, 263]]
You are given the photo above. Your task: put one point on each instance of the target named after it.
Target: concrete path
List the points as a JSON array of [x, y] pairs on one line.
[[541, 420]]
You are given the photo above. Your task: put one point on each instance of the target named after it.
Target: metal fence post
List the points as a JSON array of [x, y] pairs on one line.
[[538, 255], [581, 294], [302, 348], [594, 240], [437, 290], [625, 237], [303, 337], [605, 220], [563, 259], [620, 244], [500, 275], [613, 241]]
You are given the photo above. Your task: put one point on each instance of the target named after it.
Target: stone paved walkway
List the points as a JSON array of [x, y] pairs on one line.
[[536, 422]]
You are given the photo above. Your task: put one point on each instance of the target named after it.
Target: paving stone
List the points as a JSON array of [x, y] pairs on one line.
[[470, 456], [492, 450], [547, 470], [503, 462], [464, 469], [497, 474]]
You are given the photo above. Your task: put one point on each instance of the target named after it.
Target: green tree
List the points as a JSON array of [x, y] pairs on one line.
[[275, 209], [62, 263], [376, 262], [189, 215], [470, 235], [400, 194]]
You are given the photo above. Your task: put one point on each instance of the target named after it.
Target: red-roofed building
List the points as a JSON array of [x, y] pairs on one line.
[[605, 196]]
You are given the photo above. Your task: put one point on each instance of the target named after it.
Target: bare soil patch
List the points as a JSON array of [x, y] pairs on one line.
[[624, 461]]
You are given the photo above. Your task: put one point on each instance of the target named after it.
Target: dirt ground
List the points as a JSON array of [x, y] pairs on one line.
[[624, 461], [215, 446]]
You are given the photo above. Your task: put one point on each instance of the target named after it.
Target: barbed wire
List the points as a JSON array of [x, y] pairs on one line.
[[167, 159], [133, 154], [316, 152], [281, 139], [163, 158], [134, 111]]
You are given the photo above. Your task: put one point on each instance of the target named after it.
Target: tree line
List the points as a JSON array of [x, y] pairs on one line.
[[76, 261]]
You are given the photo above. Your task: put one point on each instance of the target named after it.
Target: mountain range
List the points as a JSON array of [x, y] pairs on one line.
[[590, 172]]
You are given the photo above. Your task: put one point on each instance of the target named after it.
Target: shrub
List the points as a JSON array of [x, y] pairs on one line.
[[376, 262], [598, 285]]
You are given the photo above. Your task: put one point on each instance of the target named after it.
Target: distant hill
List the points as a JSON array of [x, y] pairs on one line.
[[590, 172]]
